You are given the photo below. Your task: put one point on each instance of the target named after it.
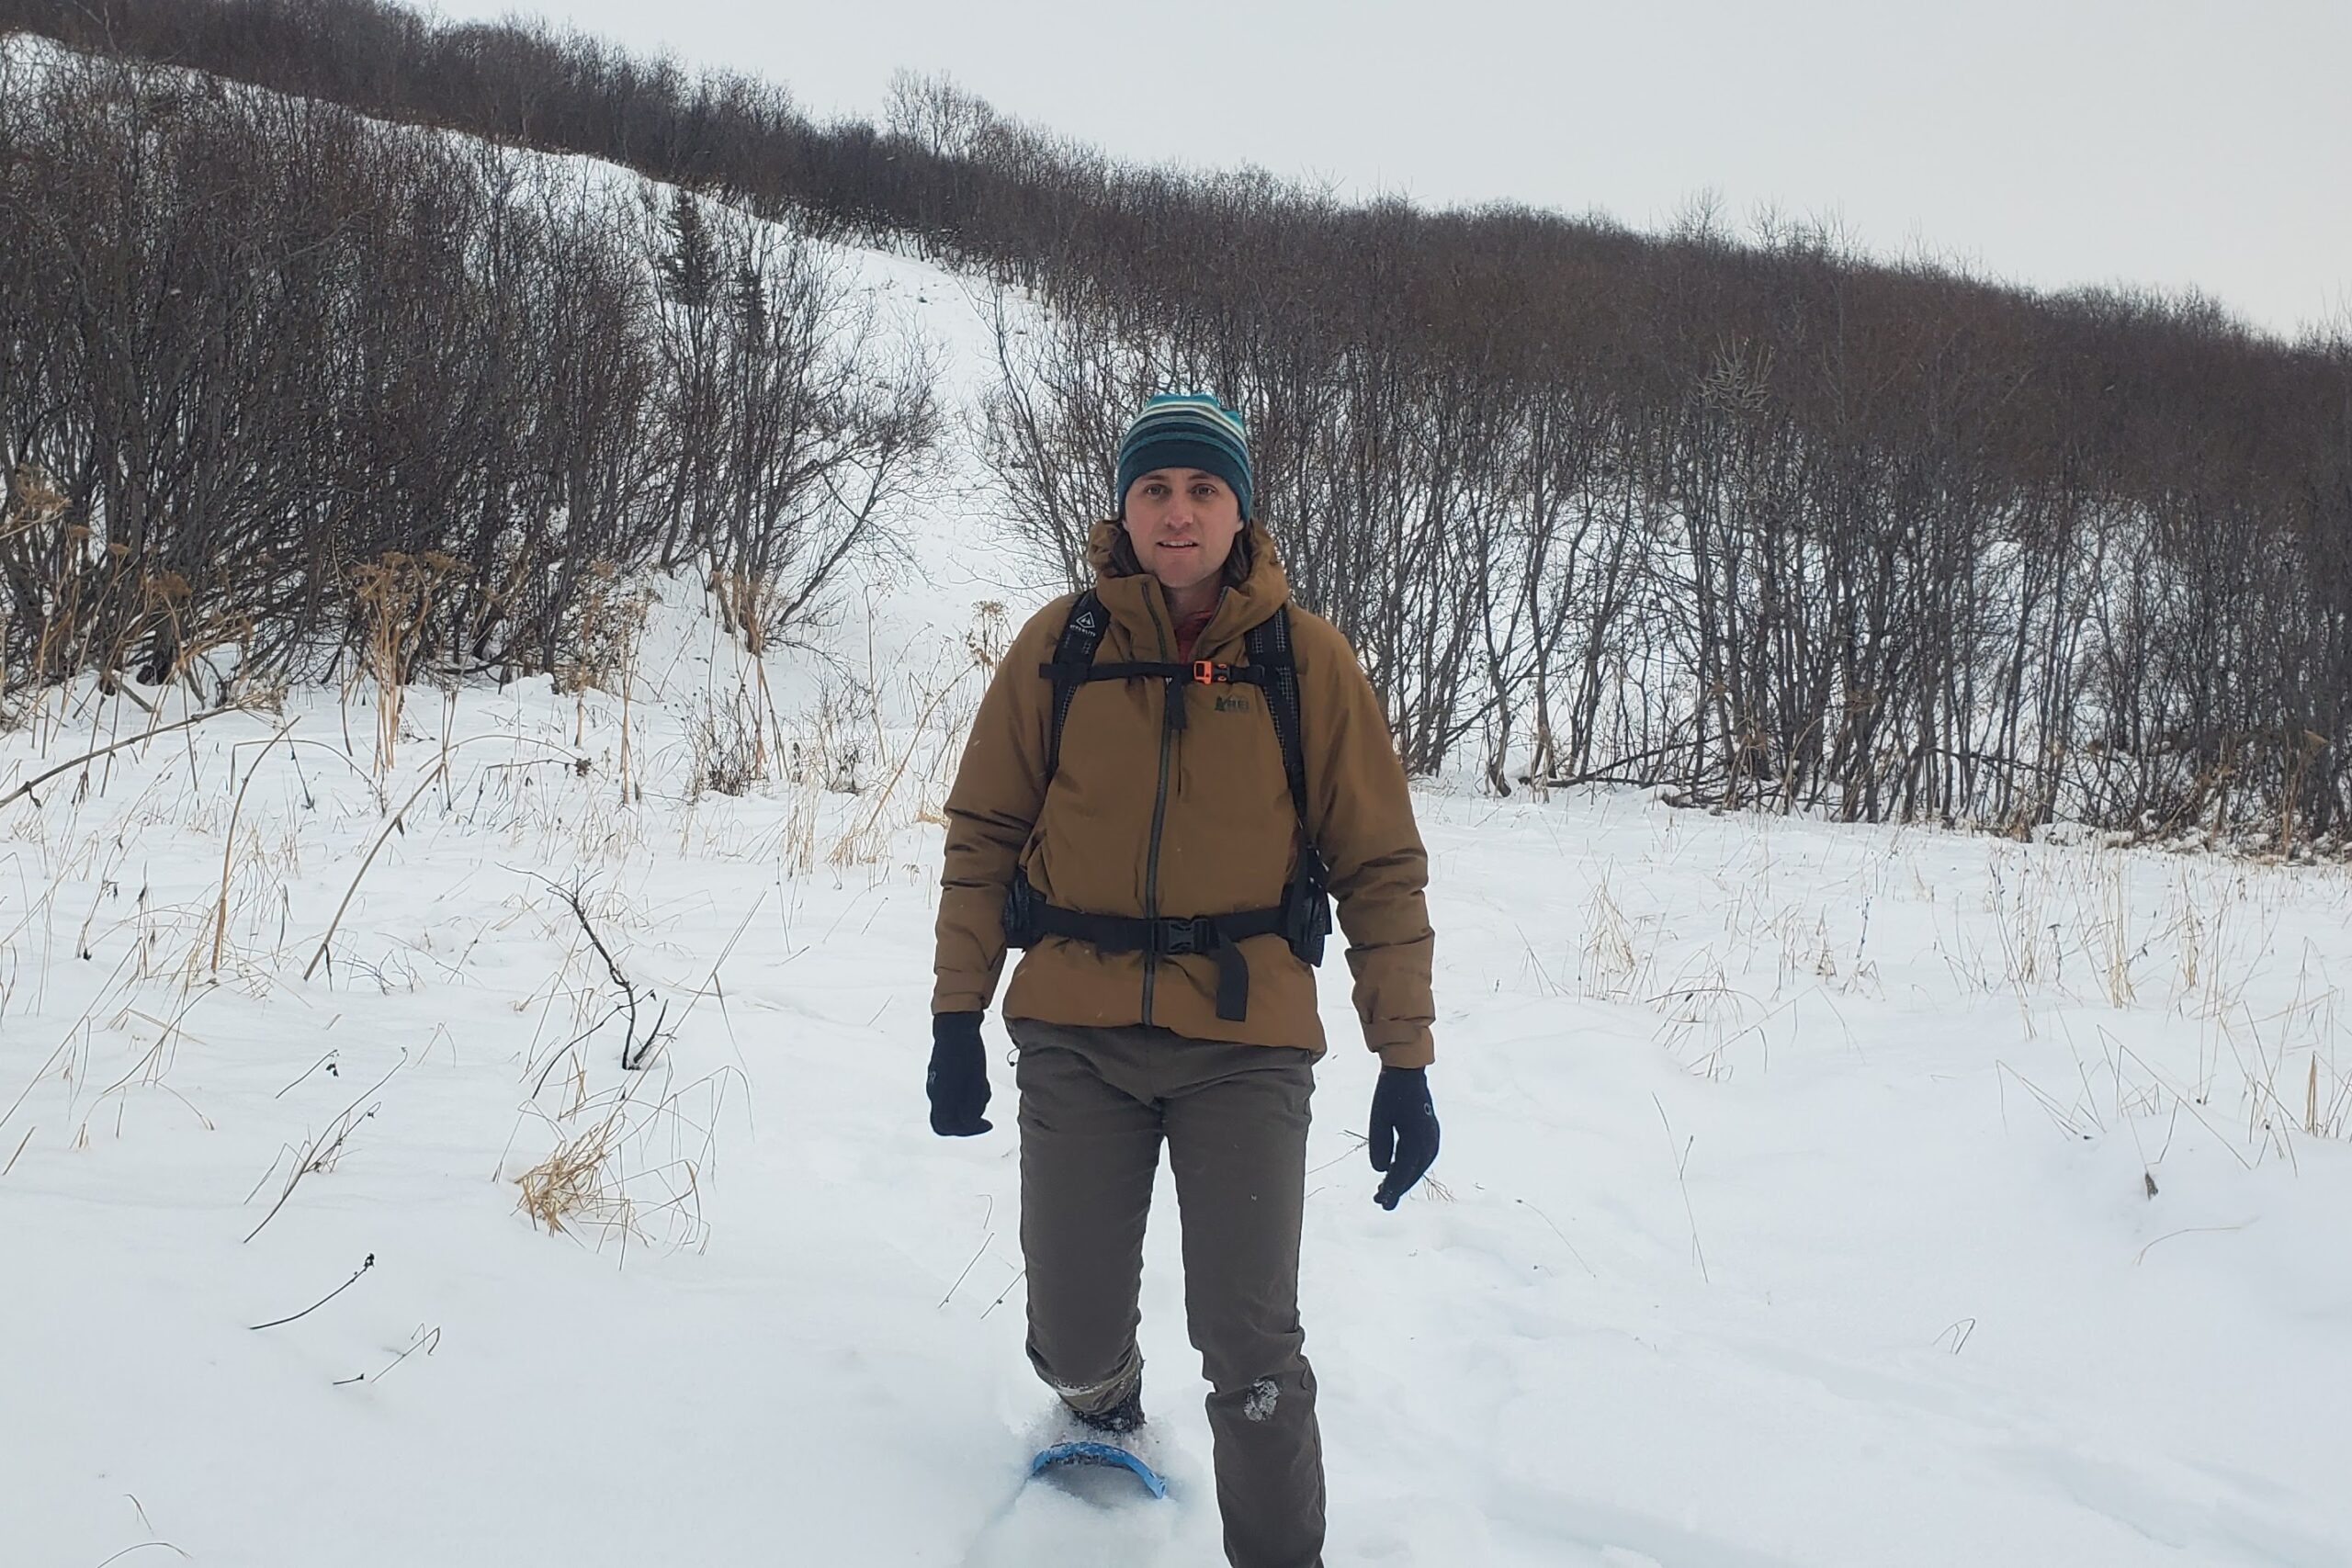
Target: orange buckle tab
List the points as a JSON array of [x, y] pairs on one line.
[[1208, 673]]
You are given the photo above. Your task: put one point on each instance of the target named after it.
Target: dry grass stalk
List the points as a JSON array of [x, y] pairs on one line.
[[439, 768], [1609, 961], [748, 607], [395, 594], [34, 783], [320, 1153], [229, 846], [2114, 933], [1682, 1179], [373, 850], [989, 635], [570, 1183], [607, 634], [585, 1182], [868, 839]]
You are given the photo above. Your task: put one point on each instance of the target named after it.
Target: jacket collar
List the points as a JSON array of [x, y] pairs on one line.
[[1137, 601]]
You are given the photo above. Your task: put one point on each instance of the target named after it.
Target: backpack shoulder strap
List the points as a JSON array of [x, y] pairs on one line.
[[1269, 647], [1073, 659]]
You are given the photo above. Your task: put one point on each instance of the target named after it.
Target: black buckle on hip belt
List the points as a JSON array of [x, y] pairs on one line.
[[1302, 919]]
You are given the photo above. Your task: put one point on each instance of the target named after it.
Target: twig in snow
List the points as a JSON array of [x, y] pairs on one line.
[[141, 1547], [326, 1061], [975, 1263], [1557, 1232], [1006, 1291], [322, 1301], [2187, 1230], [427, 1340], [634, 1055], [322, 1150], [31, 784], [434, 772], [1681, 1166]]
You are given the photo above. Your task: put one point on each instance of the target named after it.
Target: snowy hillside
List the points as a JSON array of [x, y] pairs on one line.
[[1811, 1195]]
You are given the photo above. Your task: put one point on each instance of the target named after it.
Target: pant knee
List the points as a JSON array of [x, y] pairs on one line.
[[1238, 1383], [1236, 1353]]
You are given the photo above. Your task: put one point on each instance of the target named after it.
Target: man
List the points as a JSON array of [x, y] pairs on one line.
[[1164, 778]]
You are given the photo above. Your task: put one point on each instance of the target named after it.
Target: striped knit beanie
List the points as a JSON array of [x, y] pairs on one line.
[[1187, 430]]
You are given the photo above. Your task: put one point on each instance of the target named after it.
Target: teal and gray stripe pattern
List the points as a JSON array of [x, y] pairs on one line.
[[1187, 430]]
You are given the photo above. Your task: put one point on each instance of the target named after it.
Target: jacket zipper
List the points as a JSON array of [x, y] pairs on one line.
[[1159, 803], [1171, 695]]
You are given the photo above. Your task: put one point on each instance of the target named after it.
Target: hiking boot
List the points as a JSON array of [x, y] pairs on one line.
[[1124, 1416]]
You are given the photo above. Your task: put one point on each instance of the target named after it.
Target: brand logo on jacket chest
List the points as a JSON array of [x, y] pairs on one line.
[[1232, 702]]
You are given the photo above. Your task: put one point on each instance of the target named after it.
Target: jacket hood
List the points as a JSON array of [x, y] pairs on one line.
[[1255, 584]]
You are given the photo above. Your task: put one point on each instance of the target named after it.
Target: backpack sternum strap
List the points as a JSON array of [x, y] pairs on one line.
[[1068, 677], [1272, 669]]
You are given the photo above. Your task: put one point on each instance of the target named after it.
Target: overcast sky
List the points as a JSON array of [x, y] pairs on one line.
[[2063, 142]]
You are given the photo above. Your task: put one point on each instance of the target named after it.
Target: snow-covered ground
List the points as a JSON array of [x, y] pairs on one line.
[[1811, 1195]]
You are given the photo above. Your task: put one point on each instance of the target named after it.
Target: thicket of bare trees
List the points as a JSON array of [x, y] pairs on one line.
[[1763, 523], [272, 374], [1760, 520]]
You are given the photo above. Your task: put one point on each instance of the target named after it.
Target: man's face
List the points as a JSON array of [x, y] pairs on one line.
[[1182, 522]]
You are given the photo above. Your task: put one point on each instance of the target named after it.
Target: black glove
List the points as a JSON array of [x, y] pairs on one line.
[[958, 1079], [1404, 1131]]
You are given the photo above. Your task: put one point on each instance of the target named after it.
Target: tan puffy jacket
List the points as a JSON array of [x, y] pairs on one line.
[[1225, 827]]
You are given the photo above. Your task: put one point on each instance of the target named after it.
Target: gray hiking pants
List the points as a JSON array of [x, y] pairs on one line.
[[1094, 1105]]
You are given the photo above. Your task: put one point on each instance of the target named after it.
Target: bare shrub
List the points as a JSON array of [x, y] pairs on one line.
[[731, 751]]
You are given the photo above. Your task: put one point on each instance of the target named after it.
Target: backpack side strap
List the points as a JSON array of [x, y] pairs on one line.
[[1073, 662], [1270, 650]]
